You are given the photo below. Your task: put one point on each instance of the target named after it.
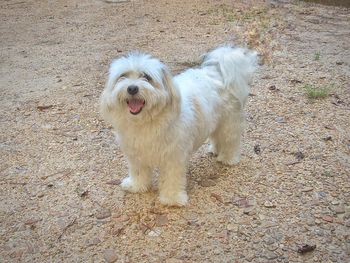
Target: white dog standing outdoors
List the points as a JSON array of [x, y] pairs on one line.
[[161, 120]]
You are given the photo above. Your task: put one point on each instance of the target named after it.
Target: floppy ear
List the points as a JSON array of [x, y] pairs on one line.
[[106, 104], [172, 89]]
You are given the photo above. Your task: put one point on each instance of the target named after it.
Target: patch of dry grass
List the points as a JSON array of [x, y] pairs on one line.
[[313, 92], [255, 25]]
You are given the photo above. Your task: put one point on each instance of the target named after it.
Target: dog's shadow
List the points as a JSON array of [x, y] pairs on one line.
[[203, 169]]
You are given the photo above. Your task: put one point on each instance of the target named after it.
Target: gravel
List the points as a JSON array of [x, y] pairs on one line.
[[61, 167]]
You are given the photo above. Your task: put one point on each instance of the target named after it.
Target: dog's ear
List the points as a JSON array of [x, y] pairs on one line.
[[172, 89], [105, 106]]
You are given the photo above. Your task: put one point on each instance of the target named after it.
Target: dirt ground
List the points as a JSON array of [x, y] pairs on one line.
[[60, 198]]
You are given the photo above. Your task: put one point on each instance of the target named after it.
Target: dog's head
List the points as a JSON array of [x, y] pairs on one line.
[[139, 88]]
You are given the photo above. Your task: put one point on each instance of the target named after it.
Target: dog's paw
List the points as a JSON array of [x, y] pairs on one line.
[[131, 185], [233, 161], [174, 199], [212, 150]]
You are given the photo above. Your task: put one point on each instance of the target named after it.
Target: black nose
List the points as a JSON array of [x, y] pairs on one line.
[[132, 89]]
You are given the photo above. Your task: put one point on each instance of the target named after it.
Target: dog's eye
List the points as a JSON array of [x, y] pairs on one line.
[[122, 76], [147, 77]]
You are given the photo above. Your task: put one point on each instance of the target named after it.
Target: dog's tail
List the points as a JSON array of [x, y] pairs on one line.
[[236, 66]]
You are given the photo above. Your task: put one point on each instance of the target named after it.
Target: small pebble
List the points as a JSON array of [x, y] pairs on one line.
[[114, 182], [217, 251], [155, 232], [232, 227], [273, 87], [269, 204], [262, 217], [40, 195], [207, 183], [310, 221], [319, 232], [82, 192], [102, 214], [347, 223], [110, 255], [93, 242], [249, 211], [124, 218], [328, 138], [270, 255], [161, 220], [338, 209], [217, 197], [280, 120], [328, 218], [269, 240], [321, 194], [32, 221], [317, 221], [299, 155], [306, 248], [273, 247], [249, 256], [307, 189]]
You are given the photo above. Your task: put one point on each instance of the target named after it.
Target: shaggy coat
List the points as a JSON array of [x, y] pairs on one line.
[[160, 120]]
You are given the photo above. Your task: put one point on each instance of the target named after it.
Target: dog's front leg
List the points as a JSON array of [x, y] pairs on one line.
[[172, 183], [139, 179]]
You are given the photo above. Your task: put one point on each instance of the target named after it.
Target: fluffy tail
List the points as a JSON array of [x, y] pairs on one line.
[[236, 66]]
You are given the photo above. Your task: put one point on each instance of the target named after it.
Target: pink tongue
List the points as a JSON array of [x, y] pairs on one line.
[[135, 105]]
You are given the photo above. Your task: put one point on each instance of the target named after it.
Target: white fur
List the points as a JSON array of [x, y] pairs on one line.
[[179, 114]]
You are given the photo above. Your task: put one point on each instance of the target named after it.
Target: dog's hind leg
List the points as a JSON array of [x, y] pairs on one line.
[[226, 139], [139, 179]]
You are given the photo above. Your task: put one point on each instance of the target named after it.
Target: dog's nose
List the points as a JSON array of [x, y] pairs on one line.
[[132, 89]]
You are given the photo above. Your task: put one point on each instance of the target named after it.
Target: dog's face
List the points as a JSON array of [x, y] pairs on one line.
[[139, 87]]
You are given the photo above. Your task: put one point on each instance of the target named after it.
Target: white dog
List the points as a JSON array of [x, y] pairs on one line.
[[161, 120]]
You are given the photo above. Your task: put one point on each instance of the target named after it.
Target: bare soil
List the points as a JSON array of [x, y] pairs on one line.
[[60, 168]]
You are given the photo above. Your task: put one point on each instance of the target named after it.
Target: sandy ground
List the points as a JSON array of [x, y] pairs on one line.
[[60, 200]]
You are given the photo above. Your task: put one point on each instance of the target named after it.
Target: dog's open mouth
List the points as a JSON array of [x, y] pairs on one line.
[[135, 105]]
